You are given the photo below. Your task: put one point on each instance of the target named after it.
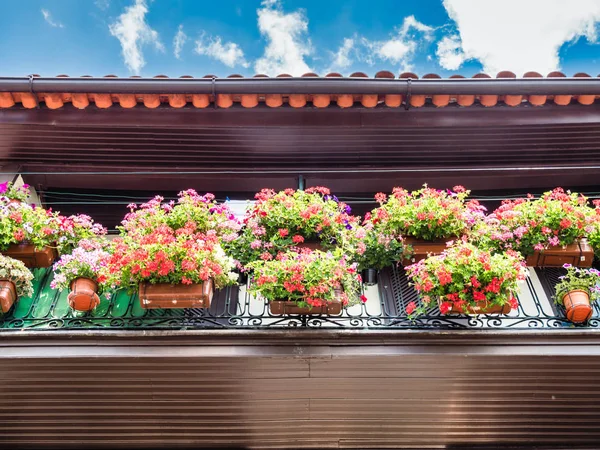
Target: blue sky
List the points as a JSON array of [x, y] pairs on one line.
[[194, 37]]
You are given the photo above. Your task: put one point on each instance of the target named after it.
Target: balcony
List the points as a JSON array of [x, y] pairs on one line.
[[235, 308]]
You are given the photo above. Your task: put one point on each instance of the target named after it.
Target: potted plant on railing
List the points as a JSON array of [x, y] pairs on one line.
[[549, 231], [73, 229], [84, 272], [576, 291], [381, 251], [36, 236], [281, 221], [593, 235], [11, 193], [464, 279], [307, 282], [15, 282], [425, 219], [172, 252], [28, 233]]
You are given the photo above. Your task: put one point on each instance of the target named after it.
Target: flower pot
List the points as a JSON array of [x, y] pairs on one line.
[[422, 249], [174, 296], [83, 295], [578, 254], [485, 308], [8, 295], [280, 307], [30, 256], [369, 276], [311, 245], [577, 306]]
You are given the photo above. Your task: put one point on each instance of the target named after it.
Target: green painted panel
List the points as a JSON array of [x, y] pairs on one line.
[[49, 308]]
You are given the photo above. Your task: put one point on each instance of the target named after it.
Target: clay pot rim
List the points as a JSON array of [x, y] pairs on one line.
[[83, 278]]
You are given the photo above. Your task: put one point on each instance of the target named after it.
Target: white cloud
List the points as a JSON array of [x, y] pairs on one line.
[[517, 35], [178, 42], [342, 58], [132, 31], [449, 52], [287, 42], [229, 53], [48, 18], [400, 48], [102, 4]]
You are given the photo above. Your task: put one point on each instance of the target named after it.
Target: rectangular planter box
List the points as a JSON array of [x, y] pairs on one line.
[[493, 309], [311, 245], [280, 307], [176, 296], [422, 249], [32, 257], [579, 254]]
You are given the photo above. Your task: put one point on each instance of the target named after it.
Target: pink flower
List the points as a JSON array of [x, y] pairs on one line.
[[380, 197], [410, 308], [363, 299], [283, 232], [297, 239]]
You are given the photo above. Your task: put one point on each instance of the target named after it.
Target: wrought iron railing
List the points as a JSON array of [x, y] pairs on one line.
[[235, 308]]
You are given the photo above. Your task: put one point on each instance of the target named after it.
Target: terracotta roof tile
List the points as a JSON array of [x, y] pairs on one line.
[[102, 100]]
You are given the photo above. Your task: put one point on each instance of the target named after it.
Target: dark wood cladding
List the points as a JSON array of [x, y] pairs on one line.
[[247, 149], [290, 389]]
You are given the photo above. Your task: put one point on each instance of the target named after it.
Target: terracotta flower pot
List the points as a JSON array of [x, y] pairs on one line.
[[422, 249], [83, 295], [175, 296], [369, 277], [30, 256], [8, 295], [280, 307], [577, 306]]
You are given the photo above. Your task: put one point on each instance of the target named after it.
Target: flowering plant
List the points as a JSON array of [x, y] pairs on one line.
[[578, 279], [23, 223], [88, 260], [281, 220], [201, 212], [15, 271], [176, 244], [465, 276], [427, 214], [73, 229], [9, 191], [381, 250], [593, 235], [528, 224], [307, 278]]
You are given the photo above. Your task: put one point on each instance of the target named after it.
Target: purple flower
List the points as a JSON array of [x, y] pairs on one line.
[[3, 187], [567, 266]]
